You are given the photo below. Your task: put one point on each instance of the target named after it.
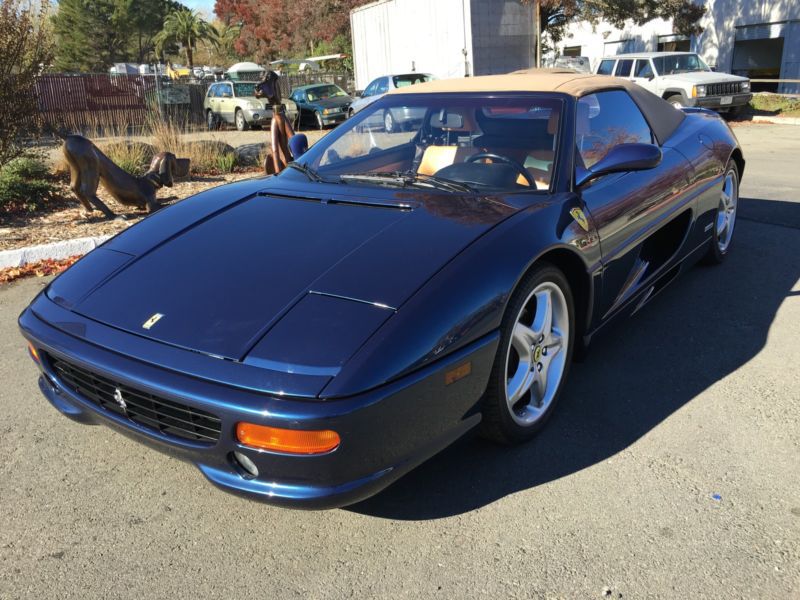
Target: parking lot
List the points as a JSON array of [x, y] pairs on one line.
[[669, 471]]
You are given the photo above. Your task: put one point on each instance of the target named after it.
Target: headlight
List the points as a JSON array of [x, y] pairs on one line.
[[326, 111], [699, 91], [746, 86]]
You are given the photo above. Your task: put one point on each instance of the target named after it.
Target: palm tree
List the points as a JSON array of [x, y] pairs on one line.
[[223, 37], [185, 27]]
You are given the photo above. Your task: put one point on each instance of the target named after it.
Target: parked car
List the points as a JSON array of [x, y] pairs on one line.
[[308, 338], [380, 86], [681, 78], [321, 104], [235, 102]]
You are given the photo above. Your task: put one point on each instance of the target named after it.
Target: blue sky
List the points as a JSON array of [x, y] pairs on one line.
[[207, 6]]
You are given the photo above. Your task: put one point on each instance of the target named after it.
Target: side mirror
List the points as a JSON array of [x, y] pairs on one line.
[[625, 157]]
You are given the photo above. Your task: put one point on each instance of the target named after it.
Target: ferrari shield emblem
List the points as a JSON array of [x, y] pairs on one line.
[[580, 218], [152, 321]]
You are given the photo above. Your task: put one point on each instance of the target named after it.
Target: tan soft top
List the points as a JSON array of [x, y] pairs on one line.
[[661, 116]]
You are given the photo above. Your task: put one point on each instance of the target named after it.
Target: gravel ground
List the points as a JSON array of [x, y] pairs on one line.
[[669, 471]]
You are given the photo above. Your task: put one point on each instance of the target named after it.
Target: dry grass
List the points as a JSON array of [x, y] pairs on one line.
[[206, 156]]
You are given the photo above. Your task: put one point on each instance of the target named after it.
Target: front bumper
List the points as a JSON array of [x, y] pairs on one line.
[[260, 117], [715, 102], [334, 118], [384, 433]]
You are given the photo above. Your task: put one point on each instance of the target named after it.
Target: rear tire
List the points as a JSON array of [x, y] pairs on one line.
[[388, 121], [725, 218], [533, 357], [212, 121]]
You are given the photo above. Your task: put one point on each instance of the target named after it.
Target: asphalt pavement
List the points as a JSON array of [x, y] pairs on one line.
[[669, 471]]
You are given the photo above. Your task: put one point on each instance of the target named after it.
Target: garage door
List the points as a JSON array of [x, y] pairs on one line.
[[757, 53]]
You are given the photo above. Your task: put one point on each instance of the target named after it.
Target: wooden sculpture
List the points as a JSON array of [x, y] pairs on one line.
[[281, 129]]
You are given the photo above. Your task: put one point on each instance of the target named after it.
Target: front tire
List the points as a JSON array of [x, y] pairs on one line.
[[676, 100], [536, 345], [241, 121], [725, 219]]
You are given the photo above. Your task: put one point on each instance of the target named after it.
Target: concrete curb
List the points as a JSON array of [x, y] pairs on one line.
[[56, 250], [776, 120]]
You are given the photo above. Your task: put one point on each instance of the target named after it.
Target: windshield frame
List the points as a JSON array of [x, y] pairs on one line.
[[316, 152]]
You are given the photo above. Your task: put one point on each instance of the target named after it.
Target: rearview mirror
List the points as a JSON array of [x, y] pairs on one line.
[[624, 157]]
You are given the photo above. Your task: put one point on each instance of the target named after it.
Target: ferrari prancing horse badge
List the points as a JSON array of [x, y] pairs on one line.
[[580, 218]]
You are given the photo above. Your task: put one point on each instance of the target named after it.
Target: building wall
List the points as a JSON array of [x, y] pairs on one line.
[[397, 36], [722, 21], [430, 36], [502, 36]]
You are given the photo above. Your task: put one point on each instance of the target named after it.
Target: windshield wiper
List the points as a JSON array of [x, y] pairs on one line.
[[408, 179], [306, 170]]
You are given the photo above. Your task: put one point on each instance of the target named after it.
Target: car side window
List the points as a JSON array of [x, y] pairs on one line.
[[383, 85], [623, 68], [606, 67], [643, 68], [370, 91], [605, 120], [212, 90], [225, 91]]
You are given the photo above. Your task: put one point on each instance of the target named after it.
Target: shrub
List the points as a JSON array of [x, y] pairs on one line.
[[25, 184]]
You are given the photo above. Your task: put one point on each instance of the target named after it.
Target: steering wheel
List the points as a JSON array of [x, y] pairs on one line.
[[504, 159]]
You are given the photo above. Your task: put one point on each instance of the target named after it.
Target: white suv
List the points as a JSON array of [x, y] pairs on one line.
[[681, 78]]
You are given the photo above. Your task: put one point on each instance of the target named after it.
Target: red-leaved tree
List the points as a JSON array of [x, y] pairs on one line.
[[276, 28]]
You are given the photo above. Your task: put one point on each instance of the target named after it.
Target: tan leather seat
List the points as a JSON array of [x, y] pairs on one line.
[[436, 158]]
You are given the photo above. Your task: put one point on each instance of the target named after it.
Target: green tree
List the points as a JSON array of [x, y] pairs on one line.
[[89, 35], [25, 48], [184, 27]]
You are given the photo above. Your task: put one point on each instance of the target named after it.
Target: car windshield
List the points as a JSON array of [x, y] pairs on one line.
[[324, 91], [679, 63], [410, 79], [244, 89], [454, 142]]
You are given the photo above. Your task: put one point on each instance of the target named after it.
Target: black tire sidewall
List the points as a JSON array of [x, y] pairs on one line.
[[503, 427]]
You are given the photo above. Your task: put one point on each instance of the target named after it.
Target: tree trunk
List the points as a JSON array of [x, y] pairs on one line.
[[189, 58]]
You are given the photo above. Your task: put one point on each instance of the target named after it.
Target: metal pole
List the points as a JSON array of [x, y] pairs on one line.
[[538, 26]]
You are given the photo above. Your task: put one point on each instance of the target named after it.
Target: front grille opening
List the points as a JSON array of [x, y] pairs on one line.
[[159, 414]]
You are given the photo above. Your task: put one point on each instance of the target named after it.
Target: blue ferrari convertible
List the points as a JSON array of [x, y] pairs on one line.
[[306, 339]]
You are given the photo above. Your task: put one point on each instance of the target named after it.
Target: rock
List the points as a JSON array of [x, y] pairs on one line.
[[249, 155]]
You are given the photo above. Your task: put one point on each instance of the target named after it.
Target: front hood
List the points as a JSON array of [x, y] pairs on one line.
[[337, 102], [225, 281], [705, 77]]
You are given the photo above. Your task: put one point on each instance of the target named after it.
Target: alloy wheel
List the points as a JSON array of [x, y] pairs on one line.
[[536, 356], [726, 211]]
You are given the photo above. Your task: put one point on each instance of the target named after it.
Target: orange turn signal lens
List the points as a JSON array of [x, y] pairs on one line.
[[33, 352], [287, 441]]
